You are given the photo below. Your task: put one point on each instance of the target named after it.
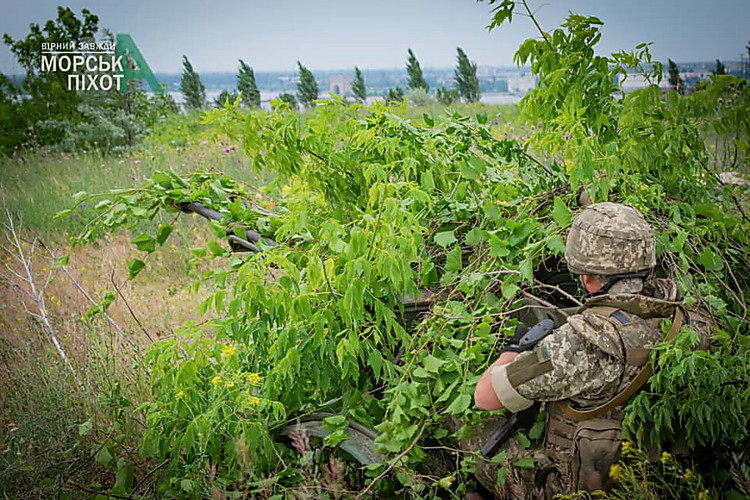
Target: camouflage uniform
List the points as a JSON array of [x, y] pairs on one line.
[[586, 361]]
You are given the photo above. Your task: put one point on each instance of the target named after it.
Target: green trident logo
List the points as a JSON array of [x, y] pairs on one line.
[[128, 50]]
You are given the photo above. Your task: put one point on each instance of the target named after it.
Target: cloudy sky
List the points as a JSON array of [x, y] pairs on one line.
[[272, 35]]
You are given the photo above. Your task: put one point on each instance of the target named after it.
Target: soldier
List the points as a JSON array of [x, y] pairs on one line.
[[589, 367]]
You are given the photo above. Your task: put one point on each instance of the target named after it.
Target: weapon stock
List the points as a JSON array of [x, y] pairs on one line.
[[520, 420]]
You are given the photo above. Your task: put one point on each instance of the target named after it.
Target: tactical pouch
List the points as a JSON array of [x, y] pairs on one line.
[[596, 447]]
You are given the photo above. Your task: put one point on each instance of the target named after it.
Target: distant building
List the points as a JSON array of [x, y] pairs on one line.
[[340, 85], [521, 83], [635, 81]]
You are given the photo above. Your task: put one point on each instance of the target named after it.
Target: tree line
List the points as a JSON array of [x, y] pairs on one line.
[[466, 86]]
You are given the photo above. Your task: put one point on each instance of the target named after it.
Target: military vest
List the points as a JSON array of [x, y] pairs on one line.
[[585, 442]]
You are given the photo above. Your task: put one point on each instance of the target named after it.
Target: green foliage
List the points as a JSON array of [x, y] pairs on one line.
[[394, 96], [191, 87], [358, 86], [465, 75], [419, 97], [719, 69], [446, 96], [414, 70], [307, 87], [288, 99], [48, 95], [674, 75], [369, 205], [13, 121], [225, 97], [247, 86]]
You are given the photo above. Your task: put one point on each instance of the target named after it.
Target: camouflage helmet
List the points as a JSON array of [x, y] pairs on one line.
[[609, 238]]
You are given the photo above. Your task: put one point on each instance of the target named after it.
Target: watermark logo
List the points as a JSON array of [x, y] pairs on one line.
[[98, 66]]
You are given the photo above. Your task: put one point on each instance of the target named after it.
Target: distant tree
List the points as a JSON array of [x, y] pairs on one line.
[[447, 96], [50, 97], [307, 88], [466, 79], [358, 86], [674, 77], [747, 70], [289, 99], [394, 96], [191, 87], [720, 69], [416, 79], [225, 96], [246, 85]]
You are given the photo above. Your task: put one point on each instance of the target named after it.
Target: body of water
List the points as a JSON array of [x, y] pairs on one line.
[[266, 96]]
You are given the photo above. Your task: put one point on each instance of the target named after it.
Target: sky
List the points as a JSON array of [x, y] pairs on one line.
[[272, 35]]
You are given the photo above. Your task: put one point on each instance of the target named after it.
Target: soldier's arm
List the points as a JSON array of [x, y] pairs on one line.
[[563, 365], [484, 395]]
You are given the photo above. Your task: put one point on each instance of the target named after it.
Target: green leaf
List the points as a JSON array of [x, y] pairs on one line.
[[335, 438], [475, 237], [527, 270], [502, 476], [428, 120], [433, 364], [500, 457], [428, 182], [163, 233], [62, 214], [216, 249], [710, 260], [525, 463], [164, 181], [186, 485], [445, 238], [523, 440], [509, 289], [498, 247], [459, 405], [536, 430], [556, 245], [453, 261], [61, 261], [144, 243], [123, 477], [84, 429], [134, 267], [561, 213], [104, 457], [335, 422]]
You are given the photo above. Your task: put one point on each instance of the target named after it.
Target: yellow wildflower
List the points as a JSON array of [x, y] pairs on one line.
[[665, 456], [703, 495], [689, 474], [216, 380], [179, 394], [253, 378], [228, 351], [230, 384], [614, 471], [254, 400], [625, 447]]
